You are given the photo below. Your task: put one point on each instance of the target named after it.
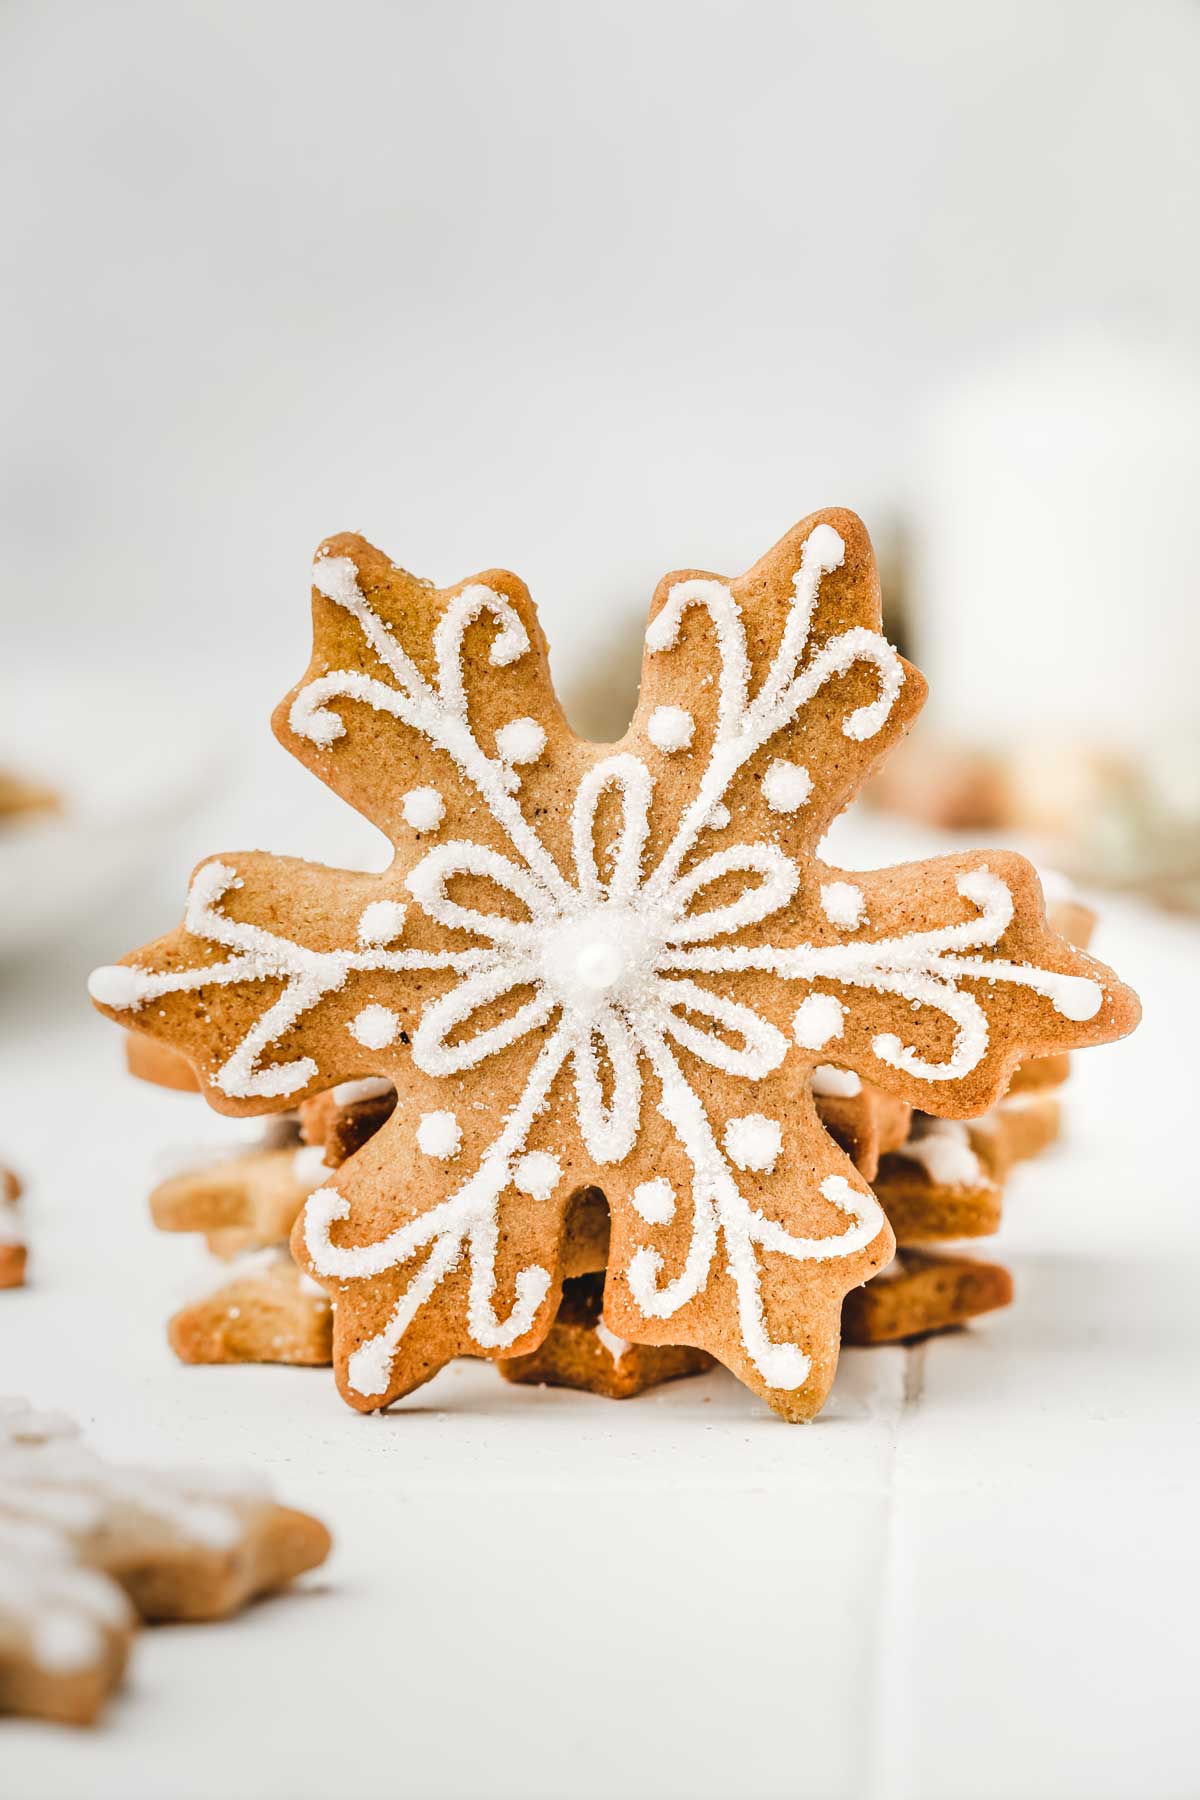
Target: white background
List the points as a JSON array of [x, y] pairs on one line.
[[592, 292]]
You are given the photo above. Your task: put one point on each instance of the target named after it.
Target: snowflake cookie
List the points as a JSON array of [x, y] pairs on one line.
[[605, 966]]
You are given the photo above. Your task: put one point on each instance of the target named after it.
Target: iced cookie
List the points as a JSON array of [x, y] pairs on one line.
[[263, 1310], [187, 1545], [605, 966], [579, 1351], [921, 1292]]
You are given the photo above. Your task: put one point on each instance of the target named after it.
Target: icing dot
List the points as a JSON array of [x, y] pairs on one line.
[[1076, 997], [825, 547], [720, 816], [116, 984], [654, 1201], [843, 903], [439, 1134], [786, 786], [818, 1020], [827, 1079], [670, 728], [375, 1027], [381, 922], [423, 809], [521, 741], [753, 1142], [537, 1174]]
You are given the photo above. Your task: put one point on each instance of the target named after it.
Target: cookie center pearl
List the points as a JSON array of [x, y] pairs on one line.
[[596, 958], [599, 965]]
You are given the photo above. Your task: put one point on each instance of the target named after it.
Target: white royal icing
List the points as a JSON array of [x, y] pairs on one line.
[[753, 1142], [942, 1147], [439, 1134], [615, 1346], [609, 960], [843, 1084], [843, 904], [537, 1174], [423, 809], [521, 741], [786, 786], [375, 1027], [818, 1021], [381, 922], [654, 1201], [670, 728]]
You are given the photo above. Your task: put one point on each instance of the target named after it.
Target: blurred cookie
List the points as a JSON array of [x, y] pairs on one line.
[[264, 1311], [186, 1545], [13, 1251]]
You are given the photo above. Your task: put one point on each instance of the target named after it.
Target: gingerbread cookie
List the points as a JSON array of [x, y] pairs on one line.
[[191, 1545], [609, 967], [257, 1196], [158, 1064], [65, 1632], [263, 1310], [579, 1351], [13, 1250], [919, 1293]]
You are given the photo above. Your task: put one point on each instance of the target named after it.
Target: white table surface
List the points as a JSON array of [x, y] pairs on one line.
[[975, 1576]]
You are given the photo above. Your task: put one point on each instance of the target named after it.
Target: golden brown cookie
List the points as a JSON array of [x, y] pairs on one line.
[[65, 1632], [155, 1062], [258, 1194], [609, 967], [189, 1545], [266, 1310], [860, 1117], [944, 1182], [13, 1251], [579, 1351], [919, 1293]]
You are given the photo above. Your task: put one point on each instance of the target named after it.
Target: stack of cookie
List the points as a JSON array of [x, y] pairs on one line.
[[624, 966], [88, 1549], [940, 1181]]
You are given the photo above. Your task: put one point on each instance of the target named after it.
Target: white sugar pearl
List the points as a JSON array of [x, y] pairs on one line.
[[843, 1084], [521, 741], [381, 922], [720, 816], [786, 786], [753, 1142], [375, 1027], [537, 1174], [116, 984], [654, 1201], [818, 1021], [439, 1134], [423, 809], [671, 728], [843, 903]]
